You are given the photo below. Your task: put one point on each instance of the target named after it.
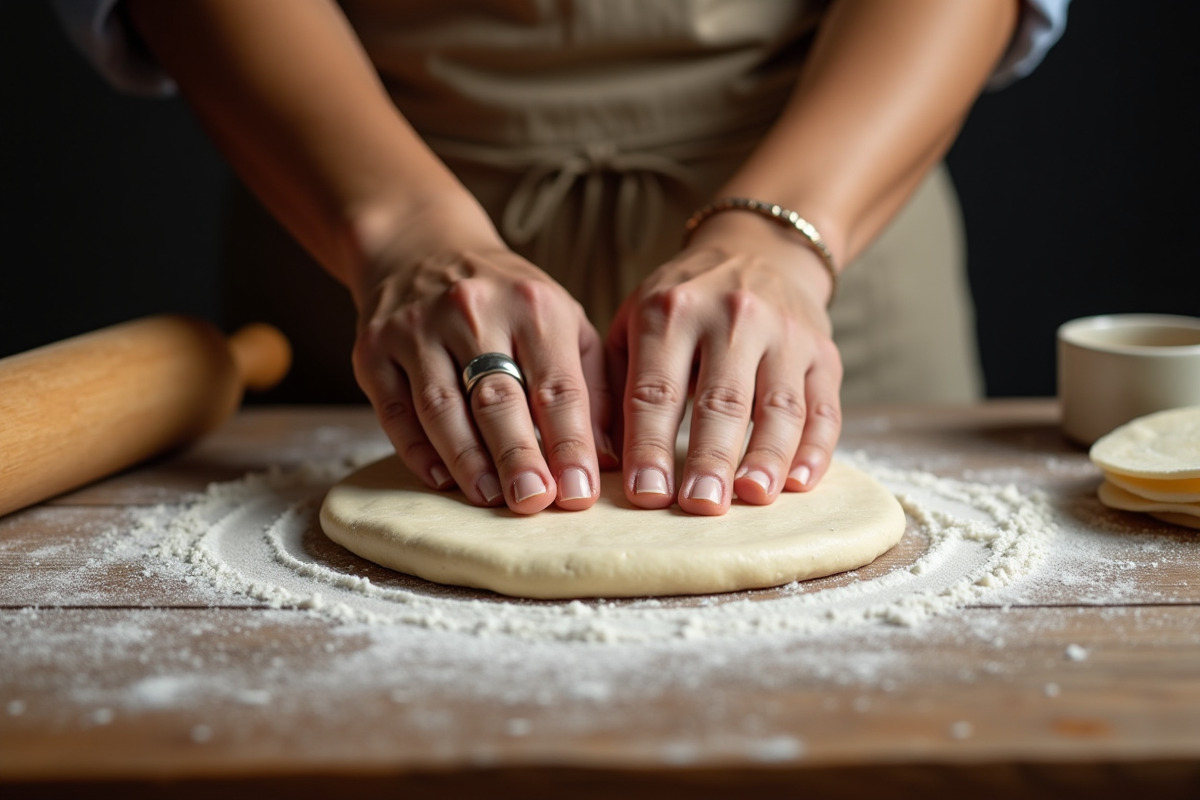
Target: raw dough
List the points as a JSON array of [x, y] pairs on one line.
[[1183, 490], [1114, 496], [1163, 445], [384, 514]]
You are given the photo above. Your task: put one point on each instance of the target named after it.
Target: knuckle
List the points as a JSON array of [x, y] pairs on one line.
[[545, 308], [710, 456], [537, 295], [725, 400], [828, 412], [652, 450], [785, 401], [662, 309], [467, 293], [768, 451], [557, 392], [469, 457], [381, 339], [743, 306], [655, 392], [435, 400], [468, 300], [512, 457], [568, 449], [496, 394], [395, 413]]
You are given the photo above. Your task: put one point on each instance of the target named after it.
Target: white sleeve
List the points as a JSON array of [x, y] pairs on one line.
[[102, 34], [1041, 24]]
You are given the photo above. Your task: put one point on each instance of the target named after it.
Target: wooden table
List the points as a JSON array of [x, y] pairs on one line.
[[1085, 676]]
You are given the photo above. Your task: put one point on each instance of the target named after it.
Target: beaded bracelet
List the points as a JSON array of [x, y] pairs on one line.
[[781, 215]]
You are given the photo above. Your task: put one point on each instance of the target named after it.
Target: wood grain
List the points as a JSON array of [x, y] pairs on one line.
[[1089, 677]]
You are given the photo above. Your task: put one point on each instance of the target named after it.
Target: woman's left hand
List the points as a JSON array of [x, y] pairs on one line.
[[740, 316]]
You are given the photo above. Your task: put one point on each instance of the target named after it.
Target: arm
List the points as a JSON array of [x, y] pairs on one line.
[[877, 104], [287, 93], [289, 96]]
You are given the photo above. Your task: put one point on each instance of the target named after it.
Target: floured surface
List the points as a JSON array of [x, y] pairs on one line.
[[384, 514], [1017, 618], [259, 538]]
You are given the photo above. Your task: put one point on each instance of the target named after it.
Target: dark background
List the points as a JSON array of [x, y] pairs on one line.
[[1079, 187]]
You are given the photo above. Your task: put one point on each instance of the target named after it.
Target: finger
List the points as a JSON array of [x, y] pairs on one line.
[[720, 416], [391, 397], [823, 423], [500, 409], [779, 416], [502, 453], [423, 398], [443, 413], [660, 363], [560, 403], [388, 389]]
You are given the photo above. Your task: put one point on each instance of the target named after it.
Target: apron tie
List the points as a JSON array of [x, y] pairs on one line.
[[549, 177], [550, 174], [545, 187]]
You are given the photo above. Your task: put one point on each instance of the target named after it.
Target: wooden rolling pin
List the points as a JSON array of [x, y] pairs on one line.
[[87, 407]]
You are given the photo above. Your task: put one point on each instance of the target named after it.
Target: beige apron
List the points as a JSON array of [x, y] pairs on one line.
[[590, 130]]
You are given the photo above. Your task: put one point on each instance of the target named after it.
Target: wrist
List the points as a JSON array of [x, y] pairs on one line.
[[779, 235], [385, 236]]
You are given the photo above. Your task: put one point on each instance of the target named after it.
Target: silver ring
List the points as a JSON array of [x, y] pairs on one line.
[[481, 366]]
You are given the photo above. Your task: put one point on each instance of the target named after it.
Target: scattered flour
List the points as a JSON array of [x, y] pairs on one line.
[[979, 538], [450, 663]]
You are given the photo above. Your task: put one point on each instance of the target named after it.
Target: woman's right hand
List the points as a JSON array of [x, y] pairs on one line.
[[435, 295]]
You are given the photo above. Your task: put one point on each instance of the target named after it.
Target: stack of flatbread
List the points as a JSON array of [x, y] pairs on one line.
[[1152, 464]]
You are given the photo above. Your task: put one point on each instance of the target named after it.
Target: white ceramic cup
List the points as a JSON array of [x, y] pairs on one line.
[[1114, 368]]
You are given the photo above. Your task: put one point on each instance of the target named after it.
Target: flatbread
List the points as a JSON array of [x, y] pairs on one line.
[[1163, 445], [1114, 496], [1183, 490], [384, 514]]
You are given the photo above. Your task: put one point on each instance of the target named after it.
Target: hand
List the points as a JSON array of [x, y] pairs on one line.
[[427, 313], [744, 306]]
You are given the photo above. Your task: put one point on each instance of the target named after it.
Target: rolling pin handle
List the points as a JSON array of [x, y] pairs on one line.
[[262, 355]]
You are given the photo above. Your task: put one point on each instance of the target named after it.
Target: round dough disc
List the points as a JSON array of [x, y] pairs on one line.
[[1182, 490], [384, 514], [1165, 444], [1114, 496]]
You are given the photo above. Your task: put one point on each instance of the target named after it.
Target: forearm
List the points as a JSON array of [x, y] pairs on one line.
[[878, 103], [285, 90]]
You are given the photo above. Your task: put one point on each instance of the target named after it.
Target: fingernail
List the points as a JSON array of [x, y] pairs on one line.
[[439, 476], [575, 484], [489, 487], [650, 481], [527, 485], [801, 475], [762, 479], [707, 488]]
